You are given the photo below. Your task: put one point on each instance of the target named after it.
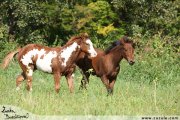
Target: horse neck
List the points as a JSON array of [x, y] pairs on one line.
[[73, 51], [116, 55], [75, 56]]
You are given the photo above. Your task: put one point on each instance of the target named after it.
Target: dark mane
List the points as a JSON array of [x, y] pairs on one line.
[[124, 39], [113, 44]]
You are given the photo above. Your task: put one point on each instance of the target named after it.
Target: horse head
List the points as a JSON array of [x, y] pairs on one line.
[[86, 45], [128, 49]]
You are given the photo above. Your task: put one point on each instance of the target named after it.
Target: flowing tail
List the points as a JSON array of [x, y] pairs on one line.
[[8, 58]]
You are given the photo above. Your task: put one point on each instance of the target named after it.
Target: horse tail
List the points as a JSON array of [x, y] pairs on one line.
[[8, 58]]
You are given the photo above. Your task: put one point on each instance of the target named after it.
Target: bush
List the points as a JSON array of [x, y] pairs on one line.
[[6, 47]]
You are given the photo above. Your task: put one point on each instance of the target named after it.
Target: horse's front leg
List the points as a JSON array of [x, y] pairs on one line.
[[106, 82], [111, 85], [70, 81], [85, 80], [57, 77]]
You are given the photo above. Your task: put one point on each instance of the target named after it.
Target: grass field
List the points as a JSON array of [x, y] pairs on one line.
[[150, 87]]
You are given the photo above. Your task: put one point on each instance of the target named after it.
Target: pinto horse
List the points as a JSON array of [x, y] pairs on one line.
[[106, 64], [58, 61]]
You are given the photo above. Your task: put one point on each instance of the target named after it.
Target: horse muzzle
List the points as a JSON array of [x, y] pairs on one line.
[[93, 54], [131, 62]]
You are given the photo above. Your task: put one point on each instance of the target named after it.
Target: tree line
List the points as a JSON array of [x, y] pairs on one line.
[[52, 22]]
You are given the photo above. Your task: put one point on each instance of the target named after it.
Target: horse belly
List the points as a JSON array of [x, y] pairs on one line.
[[44, 65]]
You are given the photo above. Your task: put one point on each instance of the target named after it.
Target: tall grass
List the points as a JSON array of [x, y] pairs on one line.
[[150, 87]]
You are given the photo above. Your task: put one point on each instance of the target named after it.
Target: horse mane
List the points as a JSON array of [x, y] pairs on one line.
[[113, 44], [74, 38], [123, 40]]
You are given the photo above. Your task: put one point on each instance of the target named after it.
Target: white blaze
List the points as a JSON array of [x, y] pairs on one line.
[[67, 52], [91, 50], [43, 63]]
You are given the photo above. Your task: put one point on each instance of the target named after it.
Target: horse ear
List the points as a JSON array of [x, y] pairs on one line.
[[85, 35], [126, 39]]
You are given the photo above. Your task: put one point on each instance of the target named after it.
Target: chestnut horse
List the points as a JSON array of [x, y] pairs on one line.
[[106, 64], [58, 61]]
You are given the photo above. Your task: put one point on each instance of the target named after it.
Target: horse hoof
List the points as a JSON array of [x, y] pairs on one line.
[[17, 88], [110, 92], [30, 89], [57, 90]]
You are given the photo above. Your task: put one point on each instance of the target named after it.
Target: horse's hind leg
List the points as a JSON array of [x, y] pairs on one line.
[[57, 77], [19, 79], [70, 80], [28, 74]]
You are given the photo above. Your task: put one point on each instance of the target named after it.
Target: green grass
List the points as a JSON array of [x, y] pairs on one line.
[[150, 87]]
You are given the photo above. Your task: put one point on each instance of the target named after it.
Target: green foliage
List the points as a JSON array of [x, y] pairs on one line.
[[21, 24], [3, 32], [97, 18], [103, 15], [53, 22], [153, 16], [6, 47]]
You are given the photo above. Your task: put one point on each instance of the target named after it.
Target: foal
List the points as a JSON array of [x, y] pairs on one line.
[[106, 64], [58, 61]]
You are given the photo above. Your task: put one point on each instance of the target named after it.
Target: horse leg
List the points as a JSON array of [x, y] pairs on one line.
[[111, 85], [29, 83], [57, 77], [85, 80], [70, 80], [19, 79], [105, 81], [28, 74]]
